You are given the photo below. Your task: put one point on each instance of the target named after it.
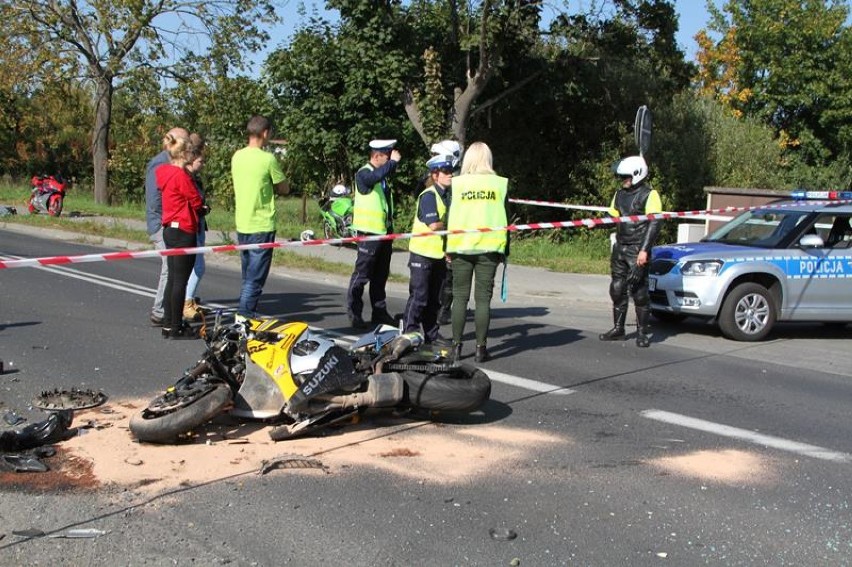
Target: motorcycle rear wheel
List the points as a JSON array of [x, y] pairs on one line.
[[463, 388], [171, 415]]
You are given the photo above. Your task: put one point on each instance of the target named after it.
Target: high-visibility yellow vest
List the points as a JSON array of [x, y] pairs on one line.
[[429, 246], [478, 201], [370, 211]]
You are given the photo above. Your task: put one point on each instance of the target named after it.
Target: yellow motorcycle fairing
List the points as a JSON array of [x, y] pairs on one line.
[[268, 383]]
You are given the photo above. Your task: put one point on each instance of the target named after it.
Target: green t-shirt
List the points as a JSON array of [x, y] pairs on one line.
[[254, 172]]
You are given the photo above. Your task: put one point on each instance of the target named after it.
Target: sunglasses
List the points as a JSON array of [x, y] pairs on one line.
[[446, 170]]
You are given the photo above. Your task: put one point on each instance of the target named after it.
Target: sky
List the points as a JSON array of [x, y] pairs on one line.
[[692, 16]]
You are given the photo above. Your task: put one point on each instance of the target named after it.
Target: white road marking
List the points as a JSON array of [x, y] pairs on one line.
[[750, 436], [527, 384], [136, 289]]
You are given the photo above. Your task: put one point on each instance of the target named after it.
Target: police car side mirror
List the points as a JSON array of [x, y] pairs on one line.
[[811, 241]]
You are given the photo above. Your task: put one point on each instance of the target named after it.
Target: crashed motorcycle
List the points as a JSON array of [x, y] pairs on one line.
[[302, 382], [48, 195]]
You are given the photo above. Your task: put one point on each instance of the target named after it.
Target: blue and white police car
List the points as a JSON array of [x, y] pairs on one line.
[[788, 261]]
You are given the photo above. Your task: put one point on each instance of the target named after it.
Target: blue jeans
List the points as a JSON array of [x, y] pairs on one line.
[[197, 269], [255, 270]]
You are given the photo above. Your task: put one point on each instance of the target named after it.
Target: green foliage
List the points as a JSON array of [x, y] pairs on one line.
[[337, 88], [789, 63]]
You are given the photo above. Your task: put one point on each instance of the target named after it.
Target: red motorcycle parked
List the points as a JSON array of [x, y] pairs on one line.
[[47, 195]]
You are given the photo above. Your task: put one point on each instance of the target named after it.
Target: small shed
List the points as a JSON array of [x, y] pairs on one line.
[[722, 197]]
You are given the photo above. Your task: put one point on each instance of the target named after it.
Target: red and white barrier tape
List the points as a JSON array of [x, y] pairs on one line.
[[537, 203], [588, 223], [558, 205]]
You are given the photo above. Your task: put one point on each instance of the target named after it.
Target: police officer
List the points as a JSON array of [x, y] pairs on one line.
[[631, 252], [478, 200], [452, 149], [427, 263], [373, 214]]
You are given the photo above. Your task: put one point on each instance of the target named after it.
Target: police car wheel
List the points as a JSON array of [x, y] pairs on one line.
[[748, 313]]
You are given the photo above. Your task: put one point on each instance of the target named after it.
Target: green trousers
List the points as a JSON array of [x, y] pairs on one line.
[[477, 271]]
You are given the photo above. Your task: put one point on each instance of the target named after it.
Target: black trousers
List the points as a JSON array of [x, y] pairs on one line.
[[180, 267], [372, 266], [424, 293], [627, 277]]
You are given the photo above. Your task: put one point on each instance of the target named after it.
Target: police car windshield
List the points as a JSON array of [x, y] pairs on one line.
[[765, 228]]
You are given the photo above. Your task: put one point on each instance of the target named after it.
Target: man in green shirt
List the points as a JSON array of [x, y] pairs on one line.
[[257, 178]]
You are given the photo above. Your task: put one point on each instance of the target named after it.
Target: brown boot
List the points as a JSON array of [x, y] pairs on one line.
[[191, 312]]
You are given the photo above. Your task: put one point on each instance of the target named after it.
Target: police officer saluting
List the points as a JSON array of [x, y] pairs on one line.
[[631, 253], [373, 214], [427, 263]]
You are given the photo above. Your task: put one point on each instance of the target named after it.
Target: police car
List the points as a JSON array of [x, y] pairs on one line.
[[788, 261]]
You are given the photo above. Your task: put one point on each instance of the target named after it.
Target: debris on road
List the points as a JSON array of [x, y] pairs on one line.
[[73, 399]]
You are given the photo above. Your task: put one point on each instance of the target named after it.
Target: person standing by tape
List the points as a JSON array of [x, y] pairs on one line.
[[257, 178], [631, 252], [427, 261], [478, 200], [191, 310], [182, 208], [372, 215], [154, 221]]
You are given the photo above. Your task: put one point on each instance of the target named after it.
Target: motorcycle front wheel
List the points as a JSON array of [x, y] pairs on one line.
[[180, 410], [462, 388], [54, 205]]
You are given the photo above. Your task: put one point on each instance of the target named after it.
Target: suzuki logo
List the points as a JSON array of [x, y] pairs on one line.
[[321, 375]]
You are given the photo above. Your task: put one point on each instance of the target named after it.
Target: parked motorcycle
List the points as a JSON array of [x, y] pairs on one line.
[[336, 210], [47, 195], [303, 382]]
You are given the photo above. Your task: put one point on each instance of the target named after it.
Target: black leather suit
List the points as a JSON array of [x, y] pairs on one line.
[[630, 239]]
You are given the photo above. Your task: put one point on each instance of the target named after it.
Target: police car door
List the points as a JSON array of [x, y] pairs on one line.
[[820, 276]]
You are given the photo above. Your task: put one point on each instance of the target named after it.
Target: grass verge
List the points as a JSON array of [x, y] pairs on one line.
[[581, 251]]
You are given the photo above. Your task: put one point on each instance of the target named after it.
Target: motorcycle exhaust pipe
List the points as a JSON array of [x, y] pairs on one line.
[[383, 390]]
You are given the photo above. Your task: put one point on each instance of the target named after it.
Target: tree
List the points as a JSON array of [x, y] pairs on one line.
[[482, 39], [787, 63], [109, 41]]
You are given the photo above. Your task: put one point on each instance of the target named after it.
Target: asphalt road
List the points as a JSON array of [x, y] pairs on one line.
[[694, 451]]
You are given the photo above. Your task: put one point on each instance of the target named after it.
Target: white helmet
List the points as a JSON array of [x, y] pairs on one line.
[[448, 148], [633, 167], [339, 191]]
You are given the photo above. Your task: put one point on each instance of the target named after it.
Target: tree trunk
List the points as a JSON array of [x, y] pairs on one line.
[[100, 139]]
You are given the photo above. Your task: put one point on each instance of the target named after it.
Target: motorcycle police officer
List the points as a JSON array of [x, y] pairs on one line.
[[373, 214], [631, 252], [427, 261]]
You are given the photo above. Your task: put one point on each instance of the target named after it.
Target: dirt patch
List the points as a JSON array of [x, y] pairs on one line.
[[67, 472], [728, 466], [422, 451]]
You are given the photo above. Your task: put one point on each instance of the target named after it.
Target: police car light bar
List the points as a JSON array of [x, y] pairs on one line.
[[821, 195]]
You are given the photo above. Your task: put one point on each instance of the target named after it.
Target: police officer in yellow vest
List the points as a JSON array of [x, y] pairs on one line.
[[373, 214], [427, 263], [478, 200]]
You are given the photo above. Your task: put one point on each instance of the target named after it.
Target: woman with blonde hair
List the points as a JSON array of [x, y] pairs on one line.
[[182, 209], [478, 200]]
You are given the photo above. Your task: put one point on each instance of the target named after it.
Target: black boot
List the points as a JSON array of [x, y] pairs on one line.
[[619, 315], [643, 314], [382, 317], [481, 354], [183, 333]]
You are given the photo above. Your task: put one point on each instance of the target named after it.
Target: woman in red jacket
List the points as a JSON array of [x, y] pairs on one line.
[[182, 206]]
